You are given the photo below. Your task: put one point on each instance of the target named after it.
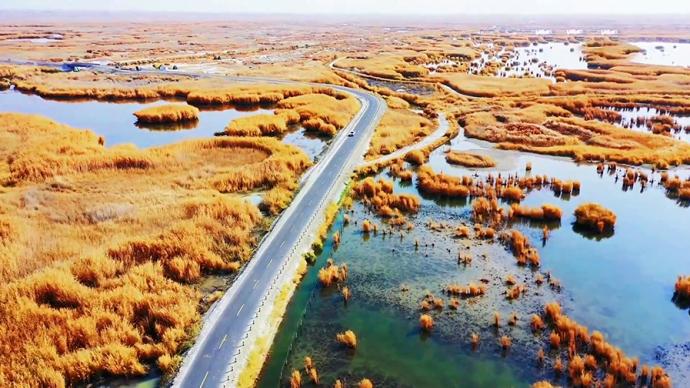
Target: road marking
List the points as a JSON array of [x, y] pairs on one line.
[[204, 380], [225, 337], [283, 243], [238, 311], [269, 262], [256, 283]]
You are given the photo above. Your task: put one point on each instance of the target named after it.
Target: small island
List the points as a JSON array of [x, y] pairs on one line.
[[167, 114], [469, 159]]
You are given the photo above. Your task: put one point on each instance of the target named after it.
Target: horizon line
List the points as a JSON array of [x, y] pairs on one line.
[[373, 13]]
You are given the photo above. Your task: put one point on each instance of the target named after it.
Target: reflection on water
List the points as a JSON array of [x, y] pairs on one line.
[[621, 284], [312, 144], [543, 59], [662, 53], [403, 87], [637, 119], [118, 125], [538, 60], [639, 262], [116, 121], [178, 126]]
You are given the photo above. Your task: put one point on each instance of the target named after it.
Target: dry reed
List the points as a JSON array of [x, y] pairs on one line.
[[347, 338], [595, 217], [169, 113]]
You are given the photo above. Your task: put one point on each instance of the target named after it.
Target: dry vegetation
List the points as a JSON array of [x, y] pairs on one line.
[[168, 113], [398, 128], [595, 217], [483, 86], [99, 278], [546, 212], [110, 276], [551, 130], [591, 355], [682, 289], [379, 196], [468, 159], [385, 66], [313, 109], [347, 338]]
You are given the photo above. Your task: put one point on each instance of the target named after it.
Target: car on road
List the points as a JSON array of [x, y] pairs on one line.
[[352, 133]]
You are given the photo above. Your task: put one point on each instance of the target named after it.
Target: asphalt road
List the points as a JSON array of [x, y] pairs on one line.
[[206, 367], [220, 340]]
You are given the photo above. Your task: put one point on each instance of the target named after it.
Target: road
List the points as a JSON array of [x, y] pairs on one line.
[[206, 365], [221, 336]]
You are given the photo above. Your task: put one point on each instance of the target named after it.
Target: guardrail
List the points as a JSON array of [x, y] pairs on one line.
[[304, 242]]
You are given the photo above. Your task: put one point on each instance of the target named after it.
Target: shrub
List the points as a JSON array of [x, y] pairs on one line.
[[347, 338], [379, 196], [398, 170], [555, 340], [263, 124], [474, 340], [683, 287], [440, 184], [426, 322], [521, 248], [462, 231], [366, 383], [505, 342], [512, 193], [595, 217], [468, 159], [169, 113], [416, 157], [368, 226], [468, 291], [295, 379], [399, 128], [553, 311], [346, 294], [546, 212], [332, 274], [536, 323]]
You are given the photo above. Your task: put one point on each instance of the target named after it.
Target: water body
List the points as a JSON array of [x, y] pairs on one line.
[[633, 119], [621, 285], [116, 123], [662, 53], [537, 60], [543, 59]]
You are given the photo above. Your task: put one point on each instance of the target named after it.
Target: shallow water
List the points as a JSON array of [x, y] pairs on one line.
[[662, 53], [640, 262], [116, 123], [403, 87], [312, 144], [542, 59], [539, 60], [629, 120], [621, 285]]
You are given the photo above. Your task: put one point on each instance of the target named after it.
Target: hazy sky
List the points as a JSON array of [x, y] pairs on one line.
[[367, 6]]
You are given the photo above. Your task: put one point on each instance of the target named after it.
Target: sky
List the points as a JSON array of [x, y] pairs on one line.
[[406, 7]]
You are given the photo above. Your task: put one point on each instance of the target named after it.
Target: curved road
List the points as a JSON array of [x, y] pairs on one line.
[[224, 326], [223, 331]]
